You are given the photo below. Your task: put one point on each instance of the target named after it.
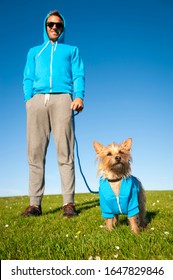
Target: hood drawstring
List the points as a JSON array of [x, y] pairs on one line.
[[56, 43], [43, 48]]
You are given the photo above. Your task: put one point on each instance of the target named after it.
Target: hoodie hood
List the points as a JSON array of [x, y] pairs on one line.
[[60, 38]]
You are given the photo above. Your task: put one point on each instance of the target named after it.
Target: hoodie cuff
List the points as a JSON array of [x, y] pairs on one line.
[[133, 212]]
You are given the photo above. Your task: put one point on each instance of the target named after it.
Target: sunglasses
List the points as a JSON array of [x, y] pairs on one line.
[[58, 24]]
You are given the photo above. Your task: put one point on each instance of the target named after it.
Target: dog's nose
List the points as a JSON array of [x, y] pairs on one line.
[[118, 158]]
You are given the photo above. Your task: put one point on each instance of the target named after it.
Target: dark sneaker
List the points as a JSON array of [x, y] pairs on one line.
[[69, 211], [32, 211]]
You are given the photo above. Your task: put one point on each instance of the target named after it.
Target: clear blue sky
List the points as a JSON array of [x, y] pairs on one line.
[[127, 48]]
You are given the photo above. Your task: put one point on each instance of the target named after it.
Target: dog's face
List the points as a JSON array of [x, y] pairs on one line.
[[114, 159]]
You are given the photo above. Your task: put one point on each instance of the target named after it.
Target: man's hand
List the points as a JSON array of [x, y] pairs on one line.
[[77, 104]]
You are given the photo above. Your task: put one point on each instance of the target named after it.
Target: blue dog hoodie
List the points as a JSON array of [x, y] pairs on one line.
[[125, 203]]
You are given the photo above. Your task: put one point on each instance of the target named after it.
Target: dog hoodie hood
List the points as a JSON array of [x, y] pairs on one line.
[[125, 203]]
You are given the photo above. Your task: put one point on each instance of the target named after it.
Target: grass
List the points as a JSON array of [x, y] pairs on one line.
[[82, 238]]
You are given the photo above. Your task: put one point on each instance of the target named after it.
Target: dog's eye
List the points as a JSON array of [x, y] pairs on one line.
[[121, 152], [109, 154]]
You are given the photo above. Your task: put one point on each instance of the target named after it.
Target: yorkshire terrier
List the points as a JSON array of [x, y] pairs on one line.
[[119, 191]]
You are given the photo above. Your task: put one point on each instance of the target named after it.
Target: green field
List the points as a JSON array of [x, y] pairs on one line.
[[50, 237]]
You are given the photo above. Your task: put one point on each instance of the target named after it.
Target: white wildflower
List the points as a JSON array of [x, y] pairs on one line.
[[6, 225], [116, 256], [152, 228], [166, 232], [90, 258], [97, 258], [117, 247]]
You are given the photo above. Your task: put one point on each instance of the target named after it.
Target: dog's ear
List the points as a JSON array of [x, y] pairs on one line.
[[97, 146], [127, 144]]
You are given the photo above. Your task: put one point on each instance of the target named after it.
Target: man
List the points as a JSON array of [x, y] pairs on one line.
[[54, 72]]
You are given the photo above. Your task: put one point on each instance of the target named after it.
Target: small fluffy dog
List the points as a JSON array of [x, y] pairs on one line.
[[119, 191]]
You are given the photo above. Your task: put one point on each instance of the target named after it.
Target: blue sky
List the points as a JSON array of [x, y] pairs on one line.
[[127, 48]]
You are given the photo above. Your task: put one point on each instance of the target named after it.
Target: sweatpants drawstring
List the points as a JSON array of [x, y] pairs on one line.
[[46, 98]]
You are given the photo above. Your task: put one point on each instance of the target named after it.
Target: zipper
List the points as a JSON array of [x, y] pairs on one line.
[[53, 49], [51, 62], [118, 203], [47, 95]]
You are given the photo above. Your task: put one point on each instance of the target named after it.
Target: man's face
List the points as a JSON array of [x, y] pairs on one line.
[[53, 30]]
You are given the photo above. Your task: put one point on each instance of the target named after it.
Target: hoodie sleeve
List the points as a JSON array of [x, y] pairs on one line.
[[78, 75], [29, 73]]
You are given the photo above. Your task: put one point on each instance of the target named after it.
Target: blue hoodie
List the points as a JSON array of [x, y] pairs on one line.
[[125, 203], [54, 68]]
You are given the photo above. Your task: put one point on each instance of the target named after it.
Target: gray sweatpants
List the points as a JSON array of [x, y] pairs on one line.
[[55, 117]]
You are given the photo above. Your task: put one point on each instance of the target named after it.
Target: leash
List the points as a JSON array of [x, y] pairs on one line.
[[78, 157]]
